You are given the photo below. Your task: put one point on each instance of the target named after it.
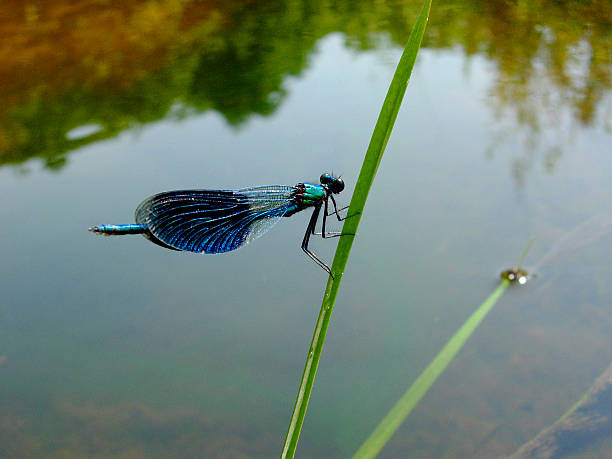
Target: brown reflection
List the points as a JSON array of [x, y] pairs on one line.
[[553, 67], [127, 430], [66, 64], [569, 42]]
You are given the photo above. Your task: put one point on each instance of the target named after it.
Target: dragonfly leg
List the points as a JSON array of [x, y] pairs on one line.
[[333, 234], [336, 210], [309, 231], [324, 234]]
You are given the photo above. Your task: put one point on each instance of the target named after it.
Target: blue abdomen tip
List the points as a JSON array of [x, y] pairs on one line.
[[118, 229]]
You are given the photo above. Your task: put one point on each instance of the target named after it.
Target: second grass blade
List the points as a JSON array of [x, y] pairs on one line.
[[391, 422], [396, 416]]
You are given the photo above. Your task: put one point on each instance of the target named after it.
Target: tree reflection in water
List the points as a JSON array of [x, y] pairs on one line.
[[57, 74]]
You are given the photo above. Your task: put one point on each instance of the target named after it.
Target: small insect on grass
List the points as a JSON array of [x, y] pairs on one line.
[[515, 275]]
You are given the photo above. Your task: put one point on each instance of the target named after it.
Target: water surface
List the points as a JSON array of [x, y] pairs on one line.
[[116, 347]]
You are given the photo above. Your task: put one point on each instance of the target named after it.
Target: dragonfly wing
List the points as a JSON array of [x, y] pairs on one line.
[[214, 221]]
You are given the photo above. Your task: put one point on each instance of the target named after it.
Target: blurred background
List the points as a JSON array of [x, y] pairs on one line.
[[115, 347]]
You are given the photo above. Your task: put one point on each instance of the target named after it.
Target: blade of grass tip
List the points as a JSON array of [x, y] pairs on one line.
[[400, 411], [377, 145], [523, 254]]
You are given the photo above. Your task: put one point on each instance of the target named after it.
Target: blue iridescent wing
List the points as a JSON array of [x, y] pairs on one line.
[[214, 221]]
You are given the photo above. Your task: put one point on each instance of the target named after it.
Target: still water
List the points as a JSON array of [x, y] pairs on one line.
[[117, 347]]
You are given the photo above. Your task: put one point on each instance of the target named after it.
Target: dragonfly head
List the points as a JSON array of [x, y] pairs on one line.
[[333, 184]]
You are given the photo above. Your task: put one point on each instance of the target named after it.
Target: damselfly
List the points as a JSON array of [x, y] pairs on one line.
[[218, 221]]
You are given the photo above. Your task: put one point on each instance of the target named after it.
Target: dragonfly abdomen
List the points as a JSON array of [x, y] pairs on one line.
[[120, 230], [112, 230]]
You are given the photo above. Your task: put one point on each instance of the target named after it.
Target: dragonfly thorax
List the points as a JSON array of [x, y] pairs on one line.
[[309, 194], [314, 195]]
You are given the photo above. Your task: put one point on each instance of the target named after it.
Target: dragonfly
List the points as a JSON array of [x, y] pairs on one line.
[[219, 221]]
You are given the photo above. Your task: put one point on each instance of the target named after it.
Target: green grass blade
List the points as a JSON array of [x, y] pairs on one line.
[[380, 136], [400, 411], [387, 427], [523, 254]]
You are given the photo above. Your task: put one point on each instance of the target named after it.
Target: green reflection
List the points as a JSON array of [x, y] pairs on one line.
[[170, 59]]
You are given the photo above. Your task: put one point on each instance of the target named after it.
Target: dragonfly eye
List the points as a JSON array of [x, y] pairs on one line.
[[333, 184], [336, 186]]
